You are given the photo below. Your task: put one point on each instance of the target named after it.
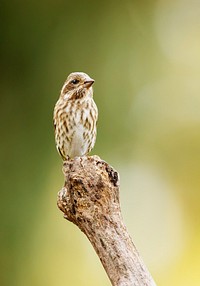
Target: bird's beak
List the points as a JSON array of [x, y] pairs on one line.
[[88, 83]]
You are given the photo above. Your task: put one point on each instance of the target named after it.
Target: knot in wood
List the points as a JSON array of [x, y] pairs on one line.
[[91, 190]]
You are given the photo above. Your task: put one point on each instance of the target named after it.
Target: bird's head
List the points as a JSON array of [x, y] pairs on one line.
[[77, 85]]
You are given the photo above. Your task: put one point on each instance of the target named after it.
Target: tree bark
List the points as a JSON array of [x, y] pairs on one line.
[[90, 199]]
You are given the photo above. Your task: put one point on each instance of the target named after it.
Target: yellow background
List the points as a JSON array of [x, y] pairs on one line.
[[145, 58]]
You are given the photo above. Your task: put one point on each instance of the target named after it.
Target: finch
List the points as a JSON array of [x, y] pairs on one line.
[[75, 117]]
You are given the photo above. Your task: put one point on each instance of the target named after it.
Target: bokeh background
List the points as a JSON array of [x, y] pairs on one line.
[[145, 58]]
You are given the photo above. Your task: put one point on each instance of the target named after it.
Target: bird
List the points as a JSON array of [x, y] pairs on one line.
[[75, 117]]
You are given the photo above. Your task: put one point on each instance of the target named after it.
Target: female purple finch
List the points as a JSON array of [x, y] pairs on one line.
[[75, 117]]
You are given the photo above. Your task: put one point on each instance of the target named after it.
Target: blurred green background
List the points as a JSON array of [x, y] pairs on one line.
[[145, 58]]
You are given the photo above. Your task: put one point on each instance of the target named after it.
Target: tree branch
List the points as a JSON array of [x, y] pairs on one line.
[[90, 199]]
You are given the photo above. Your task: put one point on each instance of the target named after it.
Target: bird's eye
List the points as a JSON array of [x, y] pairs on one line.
[[75, 81]]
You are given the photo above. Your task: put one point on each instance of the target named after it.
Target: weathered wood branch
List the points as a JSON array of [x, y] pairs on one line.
[[90, 199]]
